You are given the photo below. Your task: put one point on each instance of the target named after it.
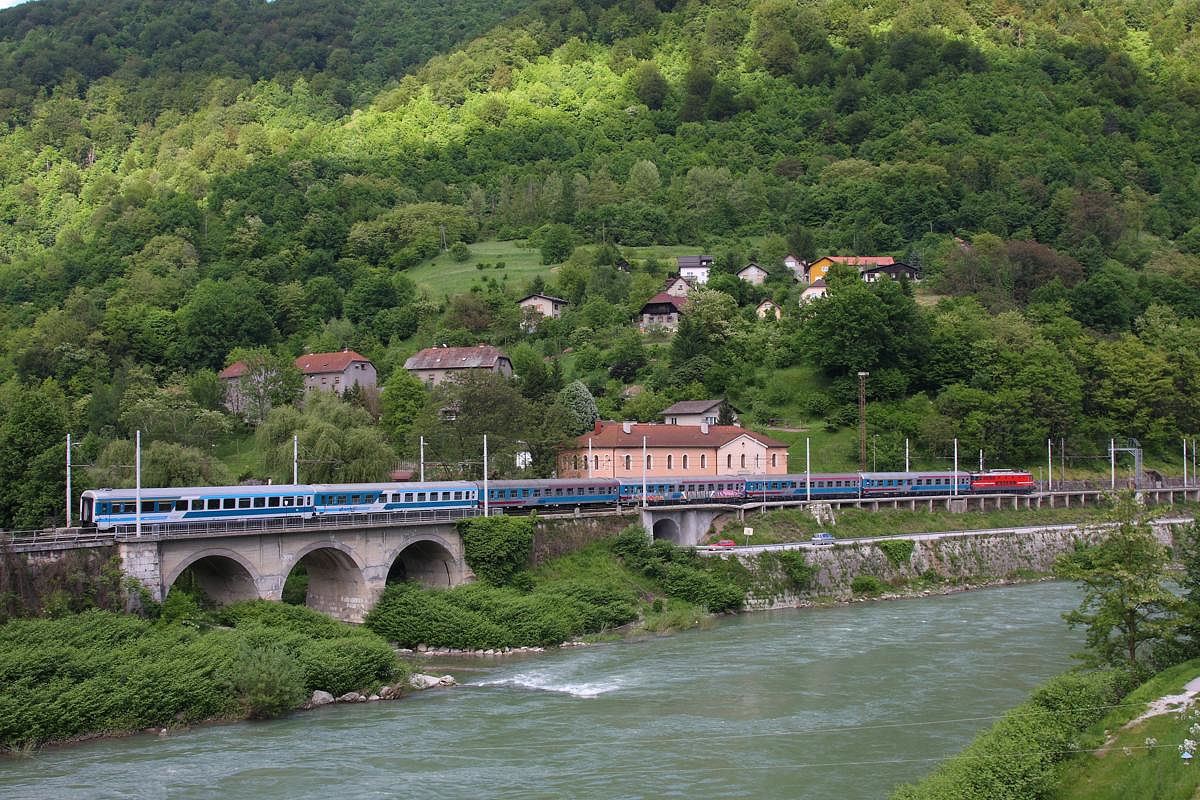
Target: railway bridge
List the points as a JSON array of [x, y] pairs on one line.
[[351, 558]]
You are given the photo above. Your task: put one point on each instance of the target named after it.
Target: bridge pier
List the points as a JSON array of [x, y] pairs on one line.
[[348, 568]]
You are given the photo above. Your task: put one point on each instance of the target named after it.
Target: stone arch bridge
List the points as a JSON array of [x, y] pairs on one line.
[[348, 567]]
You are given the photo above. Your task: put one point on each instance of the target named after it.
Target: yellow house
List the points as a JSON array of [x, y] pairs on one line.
[[819, 268]]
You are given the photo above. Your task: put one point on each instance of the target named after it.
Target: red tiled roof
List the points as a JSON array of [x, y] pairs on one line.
[[321, 363], [663, 297], [612, 434], [864, 261], [311, 364], [480, 357], [234, 370]]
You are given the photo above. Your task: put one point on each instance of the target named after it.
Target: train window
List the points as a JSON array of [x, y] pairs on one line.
[[181, 505], [147, 506], [228, 502], [458, 495], [243, 502], [537, 492], [420, 497], [273, 502], [524, 493], [355, 499], [408, 497], [260, 502], [213, 503], [287, 501]]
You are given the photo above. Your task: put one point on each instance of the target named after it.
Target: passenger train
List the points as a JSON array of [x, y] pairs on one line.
[[111, 508]]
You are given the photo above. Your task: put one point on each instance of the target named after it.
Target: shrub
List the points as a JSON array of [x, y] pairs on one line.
[[867, 584], [697, 586], [409, 615], [180, 607], [460, 252], [1018, 757], [267, 680], [497, 548], [898, 551], [795, 565]]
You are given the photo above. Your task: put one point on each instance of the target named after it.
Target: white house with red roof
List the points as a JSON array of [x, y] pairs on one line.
[[328, 372]]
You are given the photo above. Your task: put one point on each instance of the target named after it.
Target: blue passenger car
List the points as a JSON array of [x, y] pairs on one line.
[[675, 491], [798, 487], [914, 484], [109, 508], [541, 493]]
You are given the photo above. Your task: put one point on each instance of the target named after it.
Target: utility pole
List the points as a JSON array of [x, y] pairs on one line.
[[589, 464], [295, 460], [954, 480], [807, 472], [422, 462], [1050, 463], [906, 454], [69, 479], [981, 459], [1112, 460], [137, 494], [643, 472], [485, 486], [862, 420]]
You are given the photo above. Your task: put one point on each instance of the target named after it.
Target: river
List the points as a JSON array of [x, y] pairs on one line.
[[842, 702]]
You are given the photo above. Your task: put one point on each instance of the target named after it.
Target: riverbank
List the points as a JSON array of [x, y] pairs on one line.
[[100, 673], [790, 699]]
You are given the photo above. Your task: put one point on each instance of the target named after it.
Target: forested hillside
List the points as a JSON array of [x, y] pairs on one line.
[[183, 183]]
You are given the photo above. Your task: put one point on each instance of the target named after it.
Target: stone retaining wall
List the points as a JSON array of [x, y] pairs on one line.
[[557, 537], [962, 558]]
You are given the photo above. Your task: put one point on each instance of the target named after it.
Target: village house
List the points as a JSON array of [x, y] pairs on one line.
[[752, 273], [678, 287], [694, 269], [536, 305], [794, 266], [327, 372], [814, 290], [615, 450], [433, 365], [870, 268], [661, 311], [768, 307], [544, 304], [695, 412]]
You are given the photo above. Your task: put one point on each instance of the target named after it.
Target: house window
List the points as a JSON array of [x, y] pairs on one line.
[[743, 460], [670, 461], [729, 461], [685, 460], [703, 461], [628, 464], [595, 462], [575, 461], [774, 457], [649, 461]]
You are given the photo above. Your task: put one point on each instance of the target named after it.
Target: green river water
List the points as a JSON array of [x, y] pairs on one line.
[[840, 703]]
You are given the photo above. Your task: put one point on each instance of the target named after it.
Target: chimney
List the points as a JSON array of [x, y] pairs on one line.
[[598, 426], [704, 428], [627, 427]]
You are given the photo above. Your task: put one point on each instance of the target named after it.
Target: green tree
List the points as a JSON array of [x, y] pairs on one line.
[[1126, 608], [401, 401], [339, 443], [648, 85], [269, 380], [580, 407]]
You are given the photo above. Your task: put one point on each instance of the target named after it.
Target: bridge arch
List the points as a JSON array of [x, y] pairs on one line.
[[224, 576], [336, 584], [668, 529], [429, 561]]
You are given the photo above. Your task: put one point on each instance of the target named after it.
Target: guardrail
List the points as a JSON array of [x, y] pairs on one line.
[[284, 525]]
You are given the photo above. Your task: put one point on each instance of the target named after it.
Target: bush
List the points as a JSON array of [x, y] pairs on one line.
[[460, 252], [867, 584], [102, 672], [268, 681], [702, 589], [1018, 757], [497, 548], [795, 565], [898, 551], [409, 615]]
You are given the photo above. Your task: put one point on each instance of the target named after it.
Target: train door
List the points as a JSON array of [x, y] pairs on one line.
[[85, 511]]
